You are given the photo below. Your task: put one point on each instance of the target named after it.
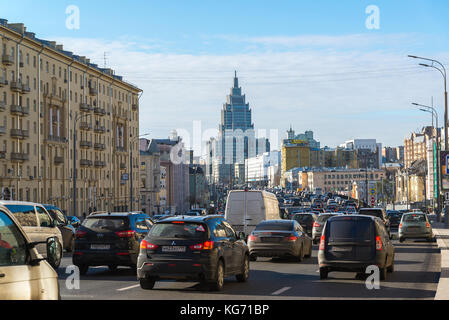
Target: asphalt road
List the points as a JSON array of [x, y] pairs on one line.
[[417, 271]]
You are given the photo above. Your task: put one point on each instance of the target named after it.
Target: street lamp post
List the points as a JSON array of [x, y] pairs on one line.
[[131, 141], [75, 170]]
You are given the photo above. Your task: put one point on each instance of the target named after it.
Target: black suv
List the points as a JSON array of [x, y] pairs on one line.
[[204, 248], [111, 239], [379, 213]]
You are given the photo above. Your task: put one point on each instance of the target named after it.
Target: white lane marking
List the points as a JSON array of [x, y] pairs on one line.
[[128, 288], [276, 293]]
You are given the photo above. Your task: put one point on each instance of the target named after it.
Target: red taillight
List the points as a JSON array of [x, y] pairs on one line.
[[292, 238], [147, 246], [77, 253], [316, 225], [400, 226], [427, 225], [178, 222], [253, 238], [322, 242], [208, 245], [378, 243], [126, 234], [123, 253], [80, 234]]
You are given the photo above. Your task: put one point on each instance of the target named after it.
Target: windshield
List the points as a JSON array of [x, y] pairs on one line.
[[106, 223], [281, 226], [178, 230]]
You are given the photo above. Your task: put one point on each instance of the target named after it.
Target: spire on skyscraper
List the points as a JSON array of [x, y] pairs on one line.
[[236, 80]]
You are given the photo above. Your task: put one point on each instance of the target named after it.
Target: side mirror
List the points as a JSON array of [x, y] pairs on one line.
[[242, 236], [53, 223], [54, 250]]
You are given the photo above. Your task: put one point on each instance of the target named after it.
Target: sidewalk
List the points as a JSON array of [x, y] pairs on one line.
[[442, 236]]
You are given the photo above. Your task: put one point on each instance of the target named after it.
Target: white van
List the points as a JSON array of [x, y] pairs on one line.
[[246, 209], [24, 273]]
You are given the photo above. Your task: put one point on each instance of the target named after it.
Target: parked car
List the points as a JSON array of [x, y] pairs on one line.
[[24, 273], [67, 230], [319, 224], [204, 248], [306, 221], [246, 209], [377, 212], [38, 225], [111, 239], [352, 243], [279, 238], [74, 221], [415, 226]]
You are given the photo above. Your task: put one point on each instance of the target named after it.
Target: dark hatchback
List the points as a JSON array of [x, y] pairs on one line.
[[111, 239], [395, 218], [306, 220], [352, 243], [205, 249]]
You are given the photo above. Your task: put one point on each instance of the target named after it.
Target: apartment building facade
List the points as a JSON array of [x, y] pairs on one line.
[[49, 97]]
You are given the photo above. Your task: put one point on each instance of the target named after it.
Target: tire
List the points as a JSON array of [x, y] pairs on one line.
[[390, 269], [147, 284], [323, 273], [383, 271], [243, 277], [217, 284], [83, 269], [401, 240], [300, 257], [310, 252], [252, 257]]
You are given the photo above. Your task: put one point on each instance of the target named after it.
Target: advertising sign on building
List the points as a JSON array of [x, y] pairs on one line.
[[444, 160]]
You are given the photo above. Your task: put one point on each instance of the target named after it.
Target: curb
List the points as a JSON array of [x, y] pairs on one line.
[[443, 283]]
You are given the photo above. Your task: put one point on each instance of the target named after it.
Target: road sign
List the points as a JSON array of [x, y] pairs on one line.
[[372, 191], [447, 162], [446, 196]]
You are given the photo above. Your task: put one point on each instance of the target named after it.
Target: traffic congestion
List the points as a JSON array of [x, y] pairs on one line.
[[328, 231]]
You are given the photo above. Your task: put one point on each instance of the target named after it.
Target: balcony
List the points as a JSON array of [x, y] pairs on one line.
[[100, 164], [2, 130], [99, 146], [16, 86], [16, 110], [19, 133], [100, 129], [19, 156], [86, 144], [53, 138], [59, 160], [93, 91], [85, 107], [2, 105], [86, 163], [122, 166], [135, 106], [26, 88], [99, 111], [3, 81], [85, 126], [3, 155], [7, 60], [121, 149]]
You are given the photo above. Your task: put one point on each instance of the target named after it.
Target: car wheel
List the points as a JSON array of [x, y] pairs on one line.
[[243, 277], [147, 284], [252, 257], [83, 269], [390, 269], [308, 255], [71, 248], [323, 273], [217, 284], [383, 271], [401, 239], [300, 257]]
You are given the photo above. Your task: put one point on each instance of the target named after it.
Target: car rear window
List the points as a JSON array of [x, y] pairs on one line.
[[281, 226], [350, 229], [106, 223], [324, 217], [303, 218], [179, 230], [373, 213], [414, 218]]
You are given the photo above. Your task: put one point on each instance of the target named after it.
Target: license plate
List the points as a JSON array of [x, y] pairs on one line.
[[342, 249], [174, 249], [100, 246]]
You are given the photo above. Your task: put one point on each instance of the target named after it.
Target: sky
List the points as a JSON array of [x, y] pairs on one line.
[[315, 65]]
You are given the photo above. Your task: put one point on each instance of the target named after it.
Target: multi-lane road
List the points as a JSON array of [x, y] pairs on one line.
[[417, 271]]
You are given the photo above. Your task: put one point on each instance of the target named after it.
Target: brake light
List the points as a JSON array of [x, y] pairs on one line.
[[147, 246], [253, 238], [427, 225], [125, 234], [197, 246], [208, 245], [316, 225], [400, 226], [80, 234], [378, 243], [178, 222], [292, 238], [322, 241]]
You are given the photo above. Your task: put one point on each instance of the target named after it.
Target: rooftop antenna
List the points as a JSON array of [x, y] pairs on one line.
[[105, 59]]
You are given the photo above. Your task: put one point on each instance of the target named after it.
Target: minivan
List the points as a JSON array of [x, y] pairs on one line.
[[246, 209], [24, 274], [38, 225], [352, 243]]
